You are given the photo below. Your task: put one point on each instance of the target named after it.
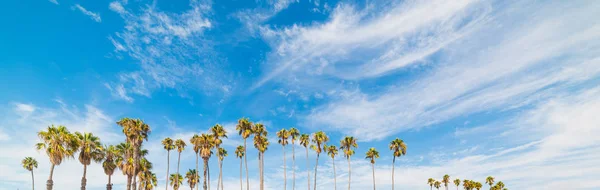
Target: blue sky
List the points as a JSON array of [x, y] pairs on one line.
[[475, 88]]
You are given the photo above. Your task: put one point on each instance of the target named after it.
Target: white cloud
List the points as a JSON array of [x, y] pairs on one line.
[[94, 16], [117, 7], [53, 1]]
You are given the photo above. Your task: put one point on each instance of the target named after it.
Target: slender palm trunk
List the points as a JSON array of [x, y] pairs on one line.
[[136, 162], [334, 175], [393, 165], [168, 163], [128, 182], [241, 183], [197, 171], [293, 167], [109, 185], [284, 171], [221, 173], [316, 166], [373, 166], [349, 173], [83, 180], [32, 181], [260, 177], [178, 162], [50, 183], [208, 168], [246, 164], [307, 166], [205, 173]]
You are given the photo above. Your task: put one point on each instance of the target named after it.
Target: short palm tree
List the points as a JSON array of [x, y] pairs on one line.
[[244, 128], [180, 145], [206, 143], [332, 151], [490, 181], [294, 135], [59, 144], [240, 152], [90, 149], [457, 183], [176, 181], [192, 178], [221, 154], [109, 165], [136, 131], [446, 180], [348, 144], [437, 184], [261, 143], [194, 142], [319, 138], [168, 145], [430, 182], [305, 141], [283, 136], [218, 132], [148, 181], [29, 163], [372, 154], [398, 148]]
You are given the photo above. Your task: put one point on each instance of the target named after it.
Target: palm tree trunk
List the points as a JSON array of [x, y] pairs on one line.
[[393, 165], [246, 164], [293, 167], [197, 171], [316, 166], [109, 185], [260, 177], [208, 168], [83, 180], [136, 162], [168, 163], [221, 173], [307, 166], [241, 182], [178, 162], [50, 183], [349, 173], [334, 176], [205, 173], [284, 171], [32, 181], [373, 166], [128, 182]]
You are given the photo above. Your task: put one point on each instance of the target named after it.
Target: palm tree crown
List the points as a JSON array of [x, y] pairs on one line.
[[29, 163], [192, 178], [58, 143], [176, 181]]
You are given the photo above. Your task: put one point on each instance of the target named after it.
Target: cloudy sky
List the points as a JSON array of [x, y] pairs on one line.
[[474, 87]]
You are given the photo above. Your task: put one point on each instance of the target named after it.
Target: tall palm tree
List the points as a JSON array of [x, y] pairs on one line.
[[372, 154], [261, 143], [437, 185], [221, 154], [319, 138], [490, 181], [446, 180], [29, 163], [283, 136], [136, 131], [430, 182], [348, 144], [305, 141], [168, 145], [240, 152], [90, 149], [125, 161], [218, 132], [176, 181], [109, 165], [206, 143], [192, 178], [294, 134], [398, 148], [457, 183], [332, 151], [180, 144], [194, 142], [59, 144], [244, 128]]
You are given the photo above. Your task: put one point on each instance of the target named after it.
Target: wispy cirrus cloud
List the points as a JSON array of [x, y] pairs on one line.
[[53, 1], [94, 16]]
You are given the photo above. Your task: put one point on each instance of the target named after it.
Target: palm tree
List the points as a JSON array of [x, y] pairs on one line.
[[305, 141], [294, 134], [490, 181], [500, 185], [478, 185], [398, 147], [168, 145], [332, 151], [457, 183], [59, 144], [192, 178], [240, 152], [193, 141], [319, 138], [446, 180], [125, 160], [176, 181], [29, 163], [437, 184], [467, 184], [244, 128], [430, 182], [221, 154], [206, 143], [218, 132], [180, 144], [136, 131], [148, 181], [348, 144], [261, 143], [372, 154], [283, 136], [109, 165], [90, 149]]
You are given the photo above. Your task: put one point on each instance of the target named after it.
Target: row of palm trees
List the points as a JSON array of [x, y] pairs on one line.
[[467, 184]]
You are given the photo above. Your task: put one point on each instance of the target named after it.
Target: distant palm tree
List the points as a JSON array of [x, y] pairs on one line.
[[283, 136], [29, 163], [305, 141], [125, 160], [194, 142], [148, 181], [332, 151], [372, 154], [136, 131], [192, 178], [398, 148], [176, 181], [319, 138], [168, 145], [478, 185], [59, 144], [294, 134], [490, 181], [500, 185], [261, 143], [437, 184], [180, 144], [467, 184], [221, 154], [240, 152], [348, 144], [109, 165], [446, 180], [218, 132], [430, 182], [457, 183], [244, 128], [207, 143], [90, 149]]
